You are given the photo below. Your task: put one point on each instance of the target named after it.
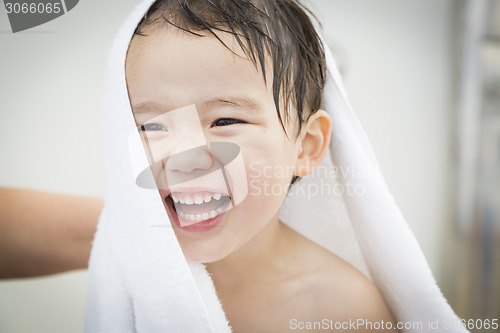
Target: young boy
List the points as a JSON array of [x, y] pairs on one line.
[[250, 75]]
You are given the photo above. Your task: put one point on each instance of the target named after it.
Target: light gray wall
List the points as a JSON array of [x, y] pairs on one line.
[[396, 56], [50, 132]]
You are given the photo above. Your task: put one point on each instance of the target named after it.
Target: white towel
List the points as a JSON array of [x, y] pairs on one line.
[[139, 280]]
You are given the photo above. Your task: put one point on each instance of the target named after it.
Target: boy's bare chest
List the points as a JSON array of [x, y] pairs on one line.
[[265, 309]]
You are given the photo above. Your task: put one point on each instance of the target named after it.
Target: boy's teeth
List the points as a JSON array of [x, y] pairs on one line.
[[197, 198], [200, 217], [198, 207]]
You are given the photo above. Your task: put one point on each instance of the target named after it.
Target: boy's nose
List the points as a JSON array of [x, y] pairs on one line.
[[190, 160]]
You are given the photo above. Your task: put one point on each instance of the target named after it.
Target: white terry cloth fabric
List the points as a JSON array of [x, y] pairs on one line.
[[139, 280]]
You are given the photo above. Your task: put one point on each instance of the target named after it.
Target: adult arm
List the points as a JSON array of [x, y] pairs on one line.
[[44, 233]]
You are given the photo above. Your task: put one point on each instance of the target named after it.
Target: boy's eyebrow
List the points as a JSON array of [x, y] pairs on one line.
[[146, 107], [237, 101]]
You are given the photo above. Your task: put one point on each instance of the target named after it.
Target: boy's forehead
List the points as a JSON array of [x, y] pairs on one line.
[[183, 50], [158, 39], [170, 69]]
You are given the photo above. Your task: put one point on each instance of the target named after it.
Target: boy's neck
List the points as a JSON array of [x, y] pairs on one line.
[[262, 257]]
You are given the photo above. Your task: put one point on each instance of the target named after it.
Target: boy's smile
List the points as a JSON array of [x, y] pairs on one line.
[[187, 92]]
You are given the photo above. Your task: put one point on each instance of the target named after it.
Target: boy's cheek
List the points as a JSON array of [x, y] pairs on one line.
[[236, 176], [266, 180]]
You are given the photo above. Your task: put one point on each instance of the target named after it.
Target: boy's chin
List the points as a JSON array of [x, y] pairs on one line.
[[203, 256]]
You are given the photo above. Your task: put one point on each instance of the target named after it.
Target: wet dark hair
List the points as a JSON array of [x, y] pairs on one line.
[[280, 29]]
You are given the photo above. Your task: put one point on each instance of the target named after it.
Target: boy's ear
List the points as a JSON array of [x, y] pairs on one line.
[[314, 143]]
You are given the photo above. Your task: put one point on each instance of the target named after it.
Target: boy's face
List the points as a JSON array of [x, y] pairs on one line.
[[213, 138]]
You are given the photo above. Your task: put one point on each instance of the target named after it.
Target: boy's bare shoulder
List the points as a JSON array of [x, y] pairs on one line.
[[333, 289]]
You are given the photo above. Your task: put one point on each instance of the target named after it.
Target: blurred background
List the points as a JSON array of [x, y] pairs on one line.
[[422, 75]]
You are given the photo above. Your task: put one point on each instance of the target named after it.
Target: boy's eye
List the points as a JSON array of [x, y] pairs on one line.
[[152, 127], [227, 121]]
